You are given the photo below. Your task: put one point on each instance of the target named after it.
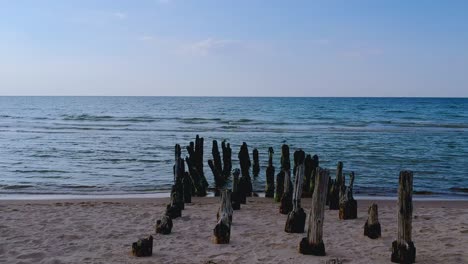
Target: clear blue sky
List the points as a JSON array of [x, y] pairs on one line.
[[234, 48]]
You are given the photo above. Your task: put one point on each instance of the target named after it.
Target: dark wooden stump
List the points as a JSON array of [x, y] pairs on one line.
[[286, 200], [143, 247], [173, 210], [270, 175], [235, 196], [403, 250], [372, 227], [256, 163], [279, 186], [336, 186], [164, 226], [313, 243], [296, 218], [222, 230], [187, 182], [227, 162], [285, 165], [179, 174], [245, 182], [348, 206], [216, 166], [195, 165]]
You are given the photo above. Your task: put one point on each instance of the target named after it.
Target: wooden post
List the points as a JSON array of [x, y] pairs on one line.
[[270, 175], [216, 167], [173, 210], [199, 189], [143, 247], [222, 230], [307, 176], [296, 218], [187, 182], [195, 164], [286, 200], [227, 163], [245, 182], [372, 227], [315, 165], [164, 225], [313, 243], [285, 165], [403, 250], [179, 174], [348, 206], [236, 196], [336, 186], [256, 164]]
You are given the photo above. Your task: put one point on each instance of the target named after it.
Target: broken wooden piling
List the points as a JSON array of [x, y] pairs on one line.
[[296, 218], [336, 187], [270, 175], [236, 196], [227, 162], [164, 225], [256, 163], [143, 247], [348, 205], [285, 165], [372, 227], [195, 166], [403, 250], [222, 230], [313, 243], [245, 182]]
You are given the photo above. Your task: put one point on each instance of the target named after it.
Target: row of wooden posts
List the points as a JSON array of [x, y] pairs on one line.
[[310, 181]]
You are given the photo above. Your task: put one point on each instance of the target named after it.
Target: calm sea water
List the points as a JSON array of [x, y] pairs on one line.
[[122, 145]]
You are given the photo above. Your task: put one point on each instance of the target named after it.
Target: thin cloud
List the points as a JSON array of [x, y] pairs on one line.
[[119, 15], [362, 53], [209, 46]]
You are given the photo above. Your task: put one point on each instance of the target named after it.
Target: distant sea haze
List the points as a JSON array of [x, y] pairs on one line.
[[125, 145]]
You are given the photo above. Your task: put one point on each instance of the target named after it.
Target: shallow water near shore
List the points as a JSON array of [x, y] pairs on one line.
[[124, 145]]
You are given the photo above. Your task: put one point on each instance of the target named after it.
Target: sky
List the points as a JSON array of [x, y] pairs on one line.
[[234, 48]]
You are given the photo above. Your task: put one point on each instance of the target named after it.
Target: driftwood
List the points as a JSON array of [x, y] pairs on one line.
[[256, 163], [143, 247], [348, 206], [403, 250], [296, 218], [236, 196], [222, 230], [227, 163], [336, 187], [286, 200], [285, 165], [313, 243], [164, 225], [173, 210], [245, 182], [270, 176], [195, 165], [372, 227]]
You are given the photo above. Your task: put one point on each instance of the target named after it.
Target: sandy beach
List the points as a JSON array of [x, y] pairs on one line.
[[101, 231]]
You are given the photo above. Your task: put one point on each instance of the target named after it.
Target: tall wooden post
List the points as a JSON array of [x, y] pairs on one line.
[[216, 167], [227, 163], [348, 205], [270, 175], [296, 218], [285, 165], [286, 200], [179, 174], [256, 163], [195, 166], [245, 182], [236, 196], [222, 230], [403, 250], [336, 186], [313, 243]]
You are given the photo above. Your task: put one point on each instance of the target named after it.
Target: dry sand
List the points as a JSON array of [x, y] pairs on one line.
[[101, 231]]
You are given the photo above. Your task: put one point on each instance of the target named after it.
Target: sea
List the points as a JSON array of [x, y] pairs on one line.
[[59, 146]]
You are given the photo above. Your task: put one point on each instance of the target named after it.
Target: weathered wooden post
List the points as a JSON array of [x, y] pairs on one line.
[[256, 163], [173, 210], [188, 184], [227, 163], [372, 227], [285, 165], [296, 218], [307, 176], [313, 243], [286, 200], [216, 167], [164, 225], [270, 175], [245, 182], [195, 165], [236, 196], [179, 174], [315, 165], [348, 206], [336, 186], [222, 230], [403, 250], [143, 247]]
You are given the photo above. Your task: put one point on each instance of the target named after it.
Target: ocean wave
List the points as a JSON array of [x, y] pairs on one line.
[[40, 171]]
